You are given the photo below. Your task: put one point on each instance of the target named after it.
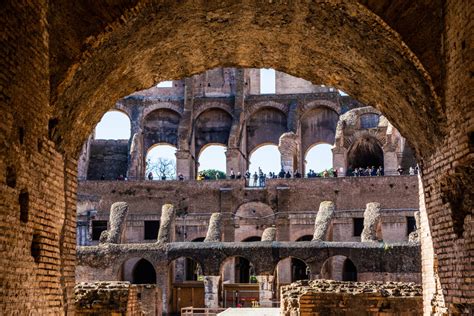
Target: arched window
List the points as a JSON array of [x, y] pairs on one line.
[[144, 273], [161, 162], [299, 270], [318, 158], [267, 81], [212, 159], [266, 157], [113, 125]]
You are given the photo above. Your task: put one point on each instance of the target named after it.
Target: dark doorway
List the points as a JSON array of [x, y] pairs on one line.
[[144, 273], [365, 152], [299, 270], [349, 271]]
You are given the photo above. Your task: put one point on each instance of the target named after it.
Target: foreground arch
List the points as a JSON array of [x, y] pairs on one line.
[[361, 55]]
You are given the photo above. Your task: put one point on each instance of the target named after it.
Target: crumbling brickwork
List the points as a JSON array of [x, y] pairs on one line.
[[325, 297]]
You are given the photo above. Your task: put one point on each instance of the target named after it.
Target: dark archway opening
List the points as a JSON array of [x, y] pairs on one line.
[[349, 271], [365, 152], [192, 268], [299, 270], [144, 273]]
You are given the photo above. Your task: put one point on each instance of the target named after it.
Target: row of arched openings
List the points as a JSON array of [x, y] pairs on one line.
[[366, 151]]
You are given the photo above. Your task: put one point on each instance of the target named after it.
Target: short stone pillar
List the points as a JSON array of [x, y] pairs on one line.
[[288, 146], [265, 290], [211, 291], [118, 213], [214, 230], [136, 170], [323, 220], [269, 234], [166, 232], [372, 223]]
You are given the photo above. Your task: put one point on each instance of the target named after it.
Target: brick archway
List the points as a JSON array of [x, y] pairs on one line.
[[79, 64]]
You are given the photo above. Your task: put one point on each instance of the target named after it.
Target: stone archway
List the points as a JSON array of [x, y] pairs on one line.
[[48, 127]]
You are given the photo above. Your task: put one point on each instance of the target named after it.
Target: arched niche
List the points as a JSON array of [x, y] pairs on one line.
[[364, 152], [265, 126], [161, 126], [143, 273], [212, 127], [318, 126], [339, 268]]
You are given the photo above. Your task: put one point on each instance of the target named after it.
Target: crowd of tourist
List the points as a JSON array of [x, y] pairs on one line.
[[258, 178]]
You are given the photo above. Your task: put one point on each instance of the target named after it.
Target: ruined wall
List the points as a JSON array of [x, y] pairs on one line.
[[108, 158], [324, 297]]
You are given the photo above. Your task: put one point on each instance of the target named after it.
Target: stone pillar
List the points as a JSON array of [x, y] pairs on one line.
[[288, 146], [235, 160], [214, 230], [136, 169], [83, 161], [372, 223], [265, 290], [166, 232], [211, 291], [117, 223], [390, 163], [185, 164], [323, 220], [269, 234], [339, 160]]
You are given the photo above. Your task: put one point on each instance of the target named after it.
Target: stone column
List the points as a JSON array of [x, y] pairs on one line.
[[372, 223], [265, 290], [211, 291], [390, 163], [136, 170], [166, 232], [323, 220], [118, 213], [235, 160], [214, 230], [288, 146], [185, 164], [339, 160]]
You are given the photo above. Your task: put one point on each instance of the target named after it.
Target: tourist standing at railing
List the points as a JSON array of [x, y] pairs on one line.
[[232, 174], [400, 170], [255, 179]]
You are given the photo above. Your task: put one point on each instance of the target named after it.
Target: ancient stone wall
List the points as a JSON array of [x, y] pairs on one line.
[[325, 297], [108, 158]]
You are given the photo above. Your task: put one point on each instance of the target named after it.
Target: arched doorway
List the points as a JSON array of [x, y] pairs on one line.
[[161, 162], [365, 152], [186, 284], [144, 272], [212, 162], [349, 271], [318, 158], [266, 157], [239, 283]]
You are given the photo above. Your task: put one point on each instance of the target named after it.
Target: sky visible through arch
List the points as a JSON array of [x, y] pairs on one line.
[[116, 125]]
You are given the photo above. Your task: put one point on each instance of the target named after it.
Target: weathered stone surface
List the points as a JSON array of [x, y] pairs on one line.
[[165, 234], [269, 234], [371, 222], [415, 236], [323, 220], [215, 229], [330, 297], [118, 214]]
